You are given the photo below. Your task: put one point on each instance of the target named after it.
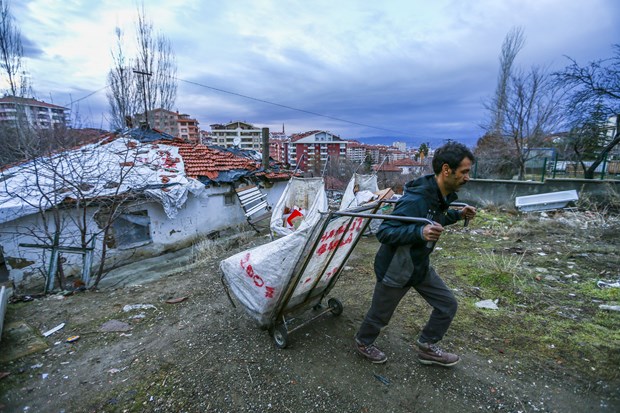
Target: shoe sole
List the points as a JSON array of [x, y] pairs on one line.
[[438, 363]]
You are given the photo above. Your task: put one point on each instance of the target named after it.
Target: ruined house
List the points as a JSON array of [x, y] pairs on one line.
[[129, 195]]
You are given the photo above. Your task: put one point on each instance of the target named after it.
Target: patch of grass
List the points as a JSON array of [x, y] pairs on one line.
[[543, 269]]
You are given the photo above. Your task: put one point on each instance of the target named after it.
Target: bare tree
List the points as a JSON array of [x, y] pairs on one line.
[[155, 56], [123, 95], [77, 196], [513, 43], [16, 138], [525, 108], [594, 99], [149, 76], [11, 52], [533, 112], [494, 158]]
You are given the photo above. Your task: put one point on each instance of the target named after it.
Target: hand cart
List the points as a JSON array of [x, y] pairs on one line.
[[324, 257], [324, 254]]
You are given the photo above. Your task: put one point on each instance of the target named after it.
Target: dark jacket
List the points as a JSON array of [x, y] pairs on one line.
[[403, 258]]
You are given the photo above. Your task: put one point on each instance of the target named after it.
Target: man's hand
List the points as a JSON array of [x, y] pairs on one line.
[[468, 212], [432, 232]]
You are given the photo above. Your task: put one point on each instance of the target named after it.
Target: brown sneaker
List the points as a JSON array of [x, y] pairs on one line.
[[429, 353], [371, 352]]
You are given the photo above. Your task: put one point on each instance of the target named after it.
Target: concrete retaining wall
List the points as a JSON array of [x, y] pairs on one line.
[[481, 192]]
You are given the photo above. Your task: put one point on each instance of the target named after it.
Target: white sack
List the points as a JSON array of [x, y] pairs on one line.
[[364, 183], [304, 193], [258, 276]]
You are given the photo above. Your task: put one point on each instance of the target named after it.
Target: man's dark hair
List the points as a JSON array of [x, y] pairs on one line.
[[451, 153]]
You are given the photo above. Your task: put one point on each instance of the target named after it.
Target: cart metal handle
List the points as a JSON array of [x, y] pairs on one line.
[[429, 244], [461, 205]]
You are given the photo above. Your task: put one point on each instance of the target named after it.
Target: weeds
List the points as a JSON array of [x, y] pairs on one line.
[[209, 248], [504, 264]]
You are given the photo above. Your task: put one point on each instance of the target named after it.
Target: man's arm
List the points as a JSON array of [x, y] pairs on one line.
[[396, 233]]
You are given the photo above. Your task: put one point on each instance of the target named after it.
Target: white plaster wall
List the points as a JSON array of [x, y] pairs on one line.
[[199, 216], [275, 192], [28, 230]]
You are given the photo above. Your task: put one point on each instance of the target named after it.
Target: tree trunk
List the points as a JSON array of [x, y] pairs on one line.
[[589, 173]]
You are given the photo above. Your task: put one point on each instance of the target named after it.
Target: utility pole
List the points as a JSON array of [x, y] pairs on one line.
[[265, 148], [146, 116]]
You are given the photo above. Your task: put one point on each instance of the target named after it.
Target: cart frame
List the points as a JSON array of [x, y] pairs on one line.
[[281, 324]]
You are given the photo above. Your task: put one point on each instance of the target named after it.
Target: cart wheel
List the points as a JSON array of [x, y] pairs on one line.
[[280, 336], [335, 306]]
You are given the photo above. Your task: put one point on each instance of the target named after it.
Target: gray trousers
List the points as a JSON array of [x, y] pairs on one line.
[[385, 300]]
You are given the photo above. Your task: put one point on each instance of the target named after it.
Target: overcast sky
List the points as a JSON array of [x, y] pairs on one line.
[[412, 69]]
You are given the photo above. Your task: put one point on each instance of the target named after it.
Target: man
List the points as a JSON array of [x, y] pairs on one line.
[[402, 261]]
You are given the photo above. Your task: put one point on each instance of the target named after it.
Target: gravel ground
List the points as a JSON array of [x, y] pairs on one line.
[[204, 355]]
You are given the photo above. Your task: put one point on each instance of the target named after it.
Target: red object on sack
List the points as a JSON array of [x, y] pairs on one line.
[[293, 215]]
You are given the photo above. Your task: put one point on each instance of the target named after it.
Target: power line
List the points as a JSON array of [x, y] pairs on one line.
[[292, 108], [266, 102], [85, 97]]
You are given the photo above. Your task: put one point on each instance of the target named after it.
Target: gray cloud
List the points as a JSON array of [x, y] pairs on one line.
[[407, 67]]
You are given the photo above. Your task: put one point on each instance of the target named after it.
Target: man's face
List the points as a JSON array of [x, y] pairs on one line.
[[459, 176]]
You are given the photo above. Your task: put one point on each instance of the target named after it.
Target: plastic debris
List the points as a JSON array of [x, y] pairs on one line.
[[605, 284], [133, 307], [488, 304], [609, 307], [53, 330], [382, 379], [73, 339]]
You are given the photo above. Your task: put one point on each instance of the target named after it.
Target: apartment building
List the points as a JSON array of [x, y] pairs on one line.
[[32, 112], [239, 134], [176, 124], [279, 148], [310, 151]]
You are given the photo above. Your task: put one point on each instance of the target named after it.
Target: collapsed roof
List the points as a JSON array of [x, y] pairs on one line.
[[138, 161]]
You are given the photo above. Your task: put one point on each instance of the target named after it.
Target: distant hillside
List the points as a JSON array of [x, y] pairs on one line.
[[434, 142]]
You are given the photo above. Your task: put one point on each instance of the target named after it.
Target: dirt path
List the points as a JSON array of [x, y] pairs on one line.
[[203, 355]]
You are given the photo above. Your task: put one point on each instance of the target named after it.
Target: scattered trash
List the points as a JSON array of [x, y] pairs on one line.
[[176, 300], [382, 379], [114, 325], [137, 316], [44, 376], [113, 371], [128, 307], [4, 374], [53, 330], [488, 304], [73, 339], [604, 284], [609, 307], [36, 366]]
